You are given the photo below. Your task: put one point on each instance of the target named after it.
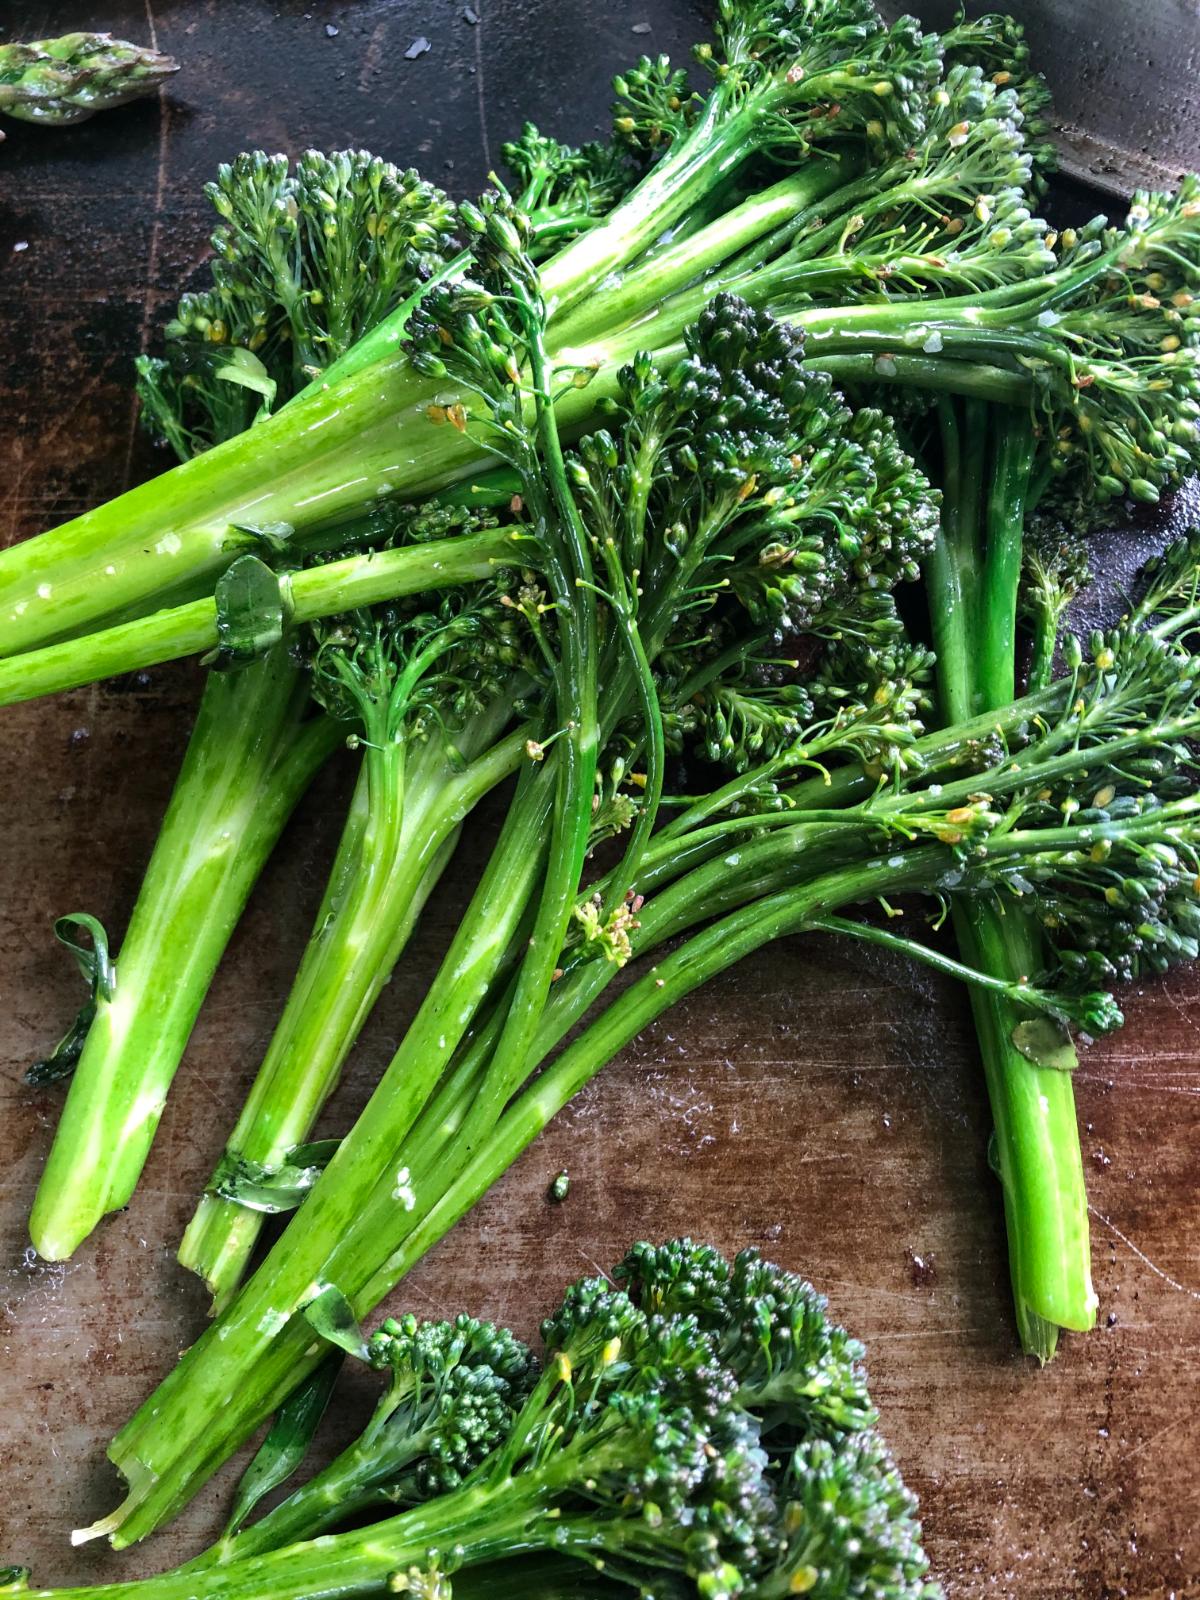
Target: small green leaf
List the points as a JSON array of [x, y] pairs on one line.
[[14, 1580], [64, 1058], [277, 1187], [93, 957], [332, 1316], [276, 536], [1046, 1043], [287, 1441], [245, 369], [250, 613], [85, 938]]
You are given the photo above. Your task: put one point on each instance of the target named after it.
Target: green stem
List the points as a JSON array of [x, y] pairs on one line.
[[1036, 1144], [396, 846], [326, 457], [1013, 445], [978, 378], [360, 580], [1013, 991], [355, 1481], [569, 571], [165, 1450], [250, 757], [477, 1523], [947, 575], [438, 1152], [637, 294], [1043, 643], [714, 146], [702, 957], [1033, 1108]]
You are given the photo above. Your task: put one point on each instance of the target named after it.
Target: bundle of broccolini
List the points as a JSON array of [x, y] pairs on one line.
[[464, 492], [699, 1427]]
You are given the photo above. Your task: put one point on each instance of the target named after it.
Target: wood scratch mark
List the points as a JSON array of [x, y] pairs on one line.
[[423, 1294], [1121, 1489], [596, 1267], [226, 1104], [13, 499], [1142, 1256], [479, 94], [160, 189]]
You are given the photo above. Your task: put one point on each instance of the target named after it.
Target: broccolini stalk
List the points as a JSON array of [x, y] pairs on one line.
[[322, 591], [1033, 1104], [219, 1242], [425, 693], [1114, 877], [284, 282], [252, 754], [997, 463], [68, 79]]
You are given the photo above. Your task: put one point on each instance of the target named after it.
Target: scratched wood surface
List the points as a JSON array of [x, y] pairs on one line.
[[819, 1103]]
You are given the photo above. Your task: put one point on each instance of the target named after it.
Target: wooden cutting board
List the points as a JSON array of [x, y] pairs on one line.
[[821, 1103]]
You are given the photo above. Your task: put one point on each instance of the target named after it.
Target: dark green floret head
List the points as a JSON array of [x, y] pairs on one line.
[[848, 1525], [458, 1386]]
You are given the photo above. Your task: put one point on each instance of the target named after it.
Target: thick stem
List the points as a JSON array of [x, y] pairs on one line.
[[397, 853], [1008, 486], [947, 576], [183, 525], [323, 591], [637, 294], [167, 1449], [249, 759], [716, 145], [1036, 1145], [1033, 1108]]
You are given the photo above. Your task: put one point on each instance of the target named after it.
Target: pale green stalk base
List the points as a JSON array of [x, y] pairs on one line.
[[972, 581], [1037, 1145], [249, 760], [323, 591], [361, 930]]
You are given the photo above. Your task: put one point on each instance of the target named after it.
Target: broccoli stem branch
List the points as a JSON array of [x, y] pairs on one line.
[[1033, 1107], [354, 1481], [250, 758], [397, 840], [1008, 488], [359, 580], [160, 1479]]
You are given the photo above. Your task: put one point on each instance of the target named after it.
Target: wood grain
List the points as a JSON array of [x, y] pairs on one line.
[[817, 1102]]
